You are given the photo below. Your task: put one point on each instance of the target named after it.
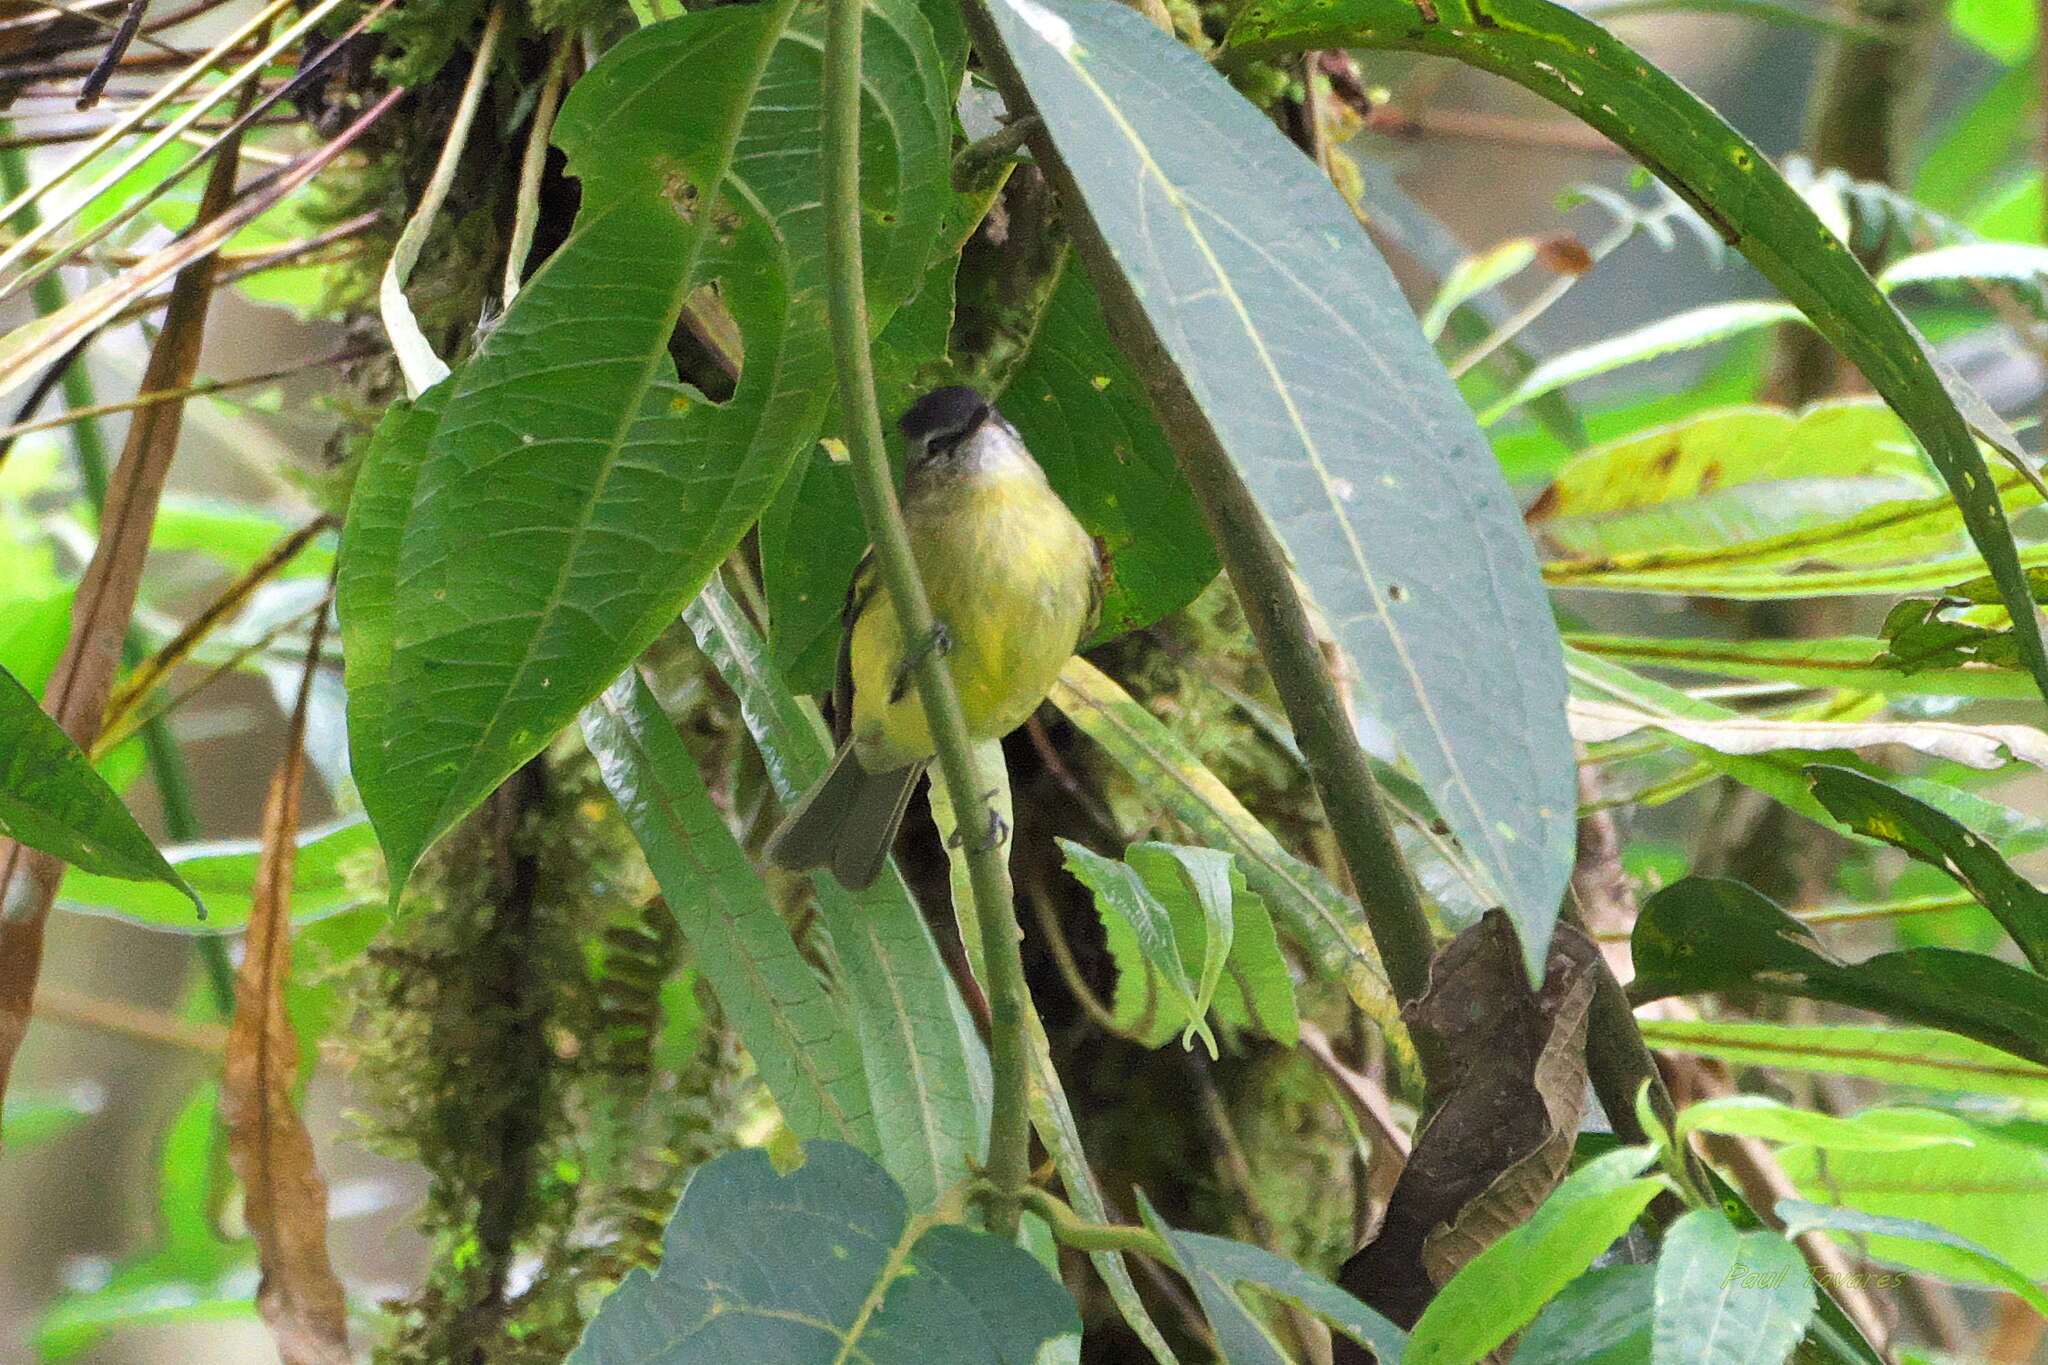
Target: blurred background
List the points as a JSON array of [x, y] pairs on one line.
[[127, 1030]]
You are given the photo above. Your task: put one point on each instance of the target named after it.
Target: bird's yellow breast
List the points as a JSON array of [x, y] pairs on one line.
[[1010, 574]]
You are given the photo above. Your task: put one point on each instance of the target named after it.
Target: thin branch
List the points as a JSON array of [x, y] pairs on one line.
[[64, 1005], [144, 679], [110, 62], [205, 388], [1008, 1166], [228, 85], [1048, 918], [26, 346]]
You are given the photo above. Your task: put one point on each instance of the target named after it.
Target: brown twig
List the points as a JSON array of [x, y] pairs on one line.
[[110, 61], [64, 1005], [152, 671], [1364, 1096], [77, 694]]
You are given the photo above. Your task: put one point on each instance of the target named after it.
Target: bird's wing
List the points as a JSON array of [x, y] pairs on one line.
[[858, 594], [1098, 579]]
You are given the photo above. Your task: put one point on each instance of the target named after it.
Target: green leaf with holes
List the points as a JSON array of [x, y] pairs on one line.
[[547, 510]]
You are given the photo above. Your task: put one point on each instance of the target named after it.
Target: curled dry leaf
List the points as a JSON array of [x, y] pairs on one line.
[[1978, 746], [1505, 1085], [285, 1195]]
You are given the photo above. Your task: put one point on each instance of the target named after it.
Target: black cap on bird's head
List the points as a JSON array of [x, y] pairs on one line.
[[943, 417]]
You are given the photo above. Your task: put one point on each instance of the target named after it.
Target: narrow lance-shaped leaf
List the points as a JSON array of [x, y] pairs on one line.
[[1309, 370], [324, 882], [1844, 661], [52, 799], [1581, 67], [1952, 1254], [923, 1060], [1707, 934], [1923, 1058], [269, 1145], [795, 1032], [1760, 1116], [1872, 808], [559, 498]]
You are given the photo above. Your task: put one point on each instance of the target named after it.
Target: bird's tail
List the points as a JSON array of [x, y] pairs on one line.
[[847, 821]]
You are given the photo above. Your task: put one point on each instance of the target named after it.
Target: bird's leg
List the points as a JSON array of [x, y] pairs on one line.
[[938, 641], [998, 830]]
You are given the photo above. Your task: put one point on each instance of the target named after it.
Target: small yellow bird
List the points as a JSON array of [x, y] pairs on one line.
[[1015, 584]]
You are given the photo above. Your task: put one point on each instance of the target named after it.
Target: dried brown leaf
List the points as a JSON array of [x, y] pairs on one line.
[[1504, 1068], [284, 1194]]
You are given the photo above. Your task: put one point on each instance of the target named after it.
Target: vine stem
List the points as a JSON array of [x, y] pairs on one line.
[[1007, 1169]]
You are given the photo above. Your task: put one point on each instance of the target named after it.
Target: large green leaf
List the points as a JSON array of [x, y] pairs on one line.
[[1601, 1318], [562, 495], [1923, 1058], [920, 1052], [1311, 373], [1726, 1297], [1728, 476], [1872, 808], [1760, 1116], [332, 870], [52, 799], [1498, 1291], [1984, 1184], [1084, 415], [822, 1266], [797, 1034], [1888, 547], [1709, 934], [1584, 69]]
